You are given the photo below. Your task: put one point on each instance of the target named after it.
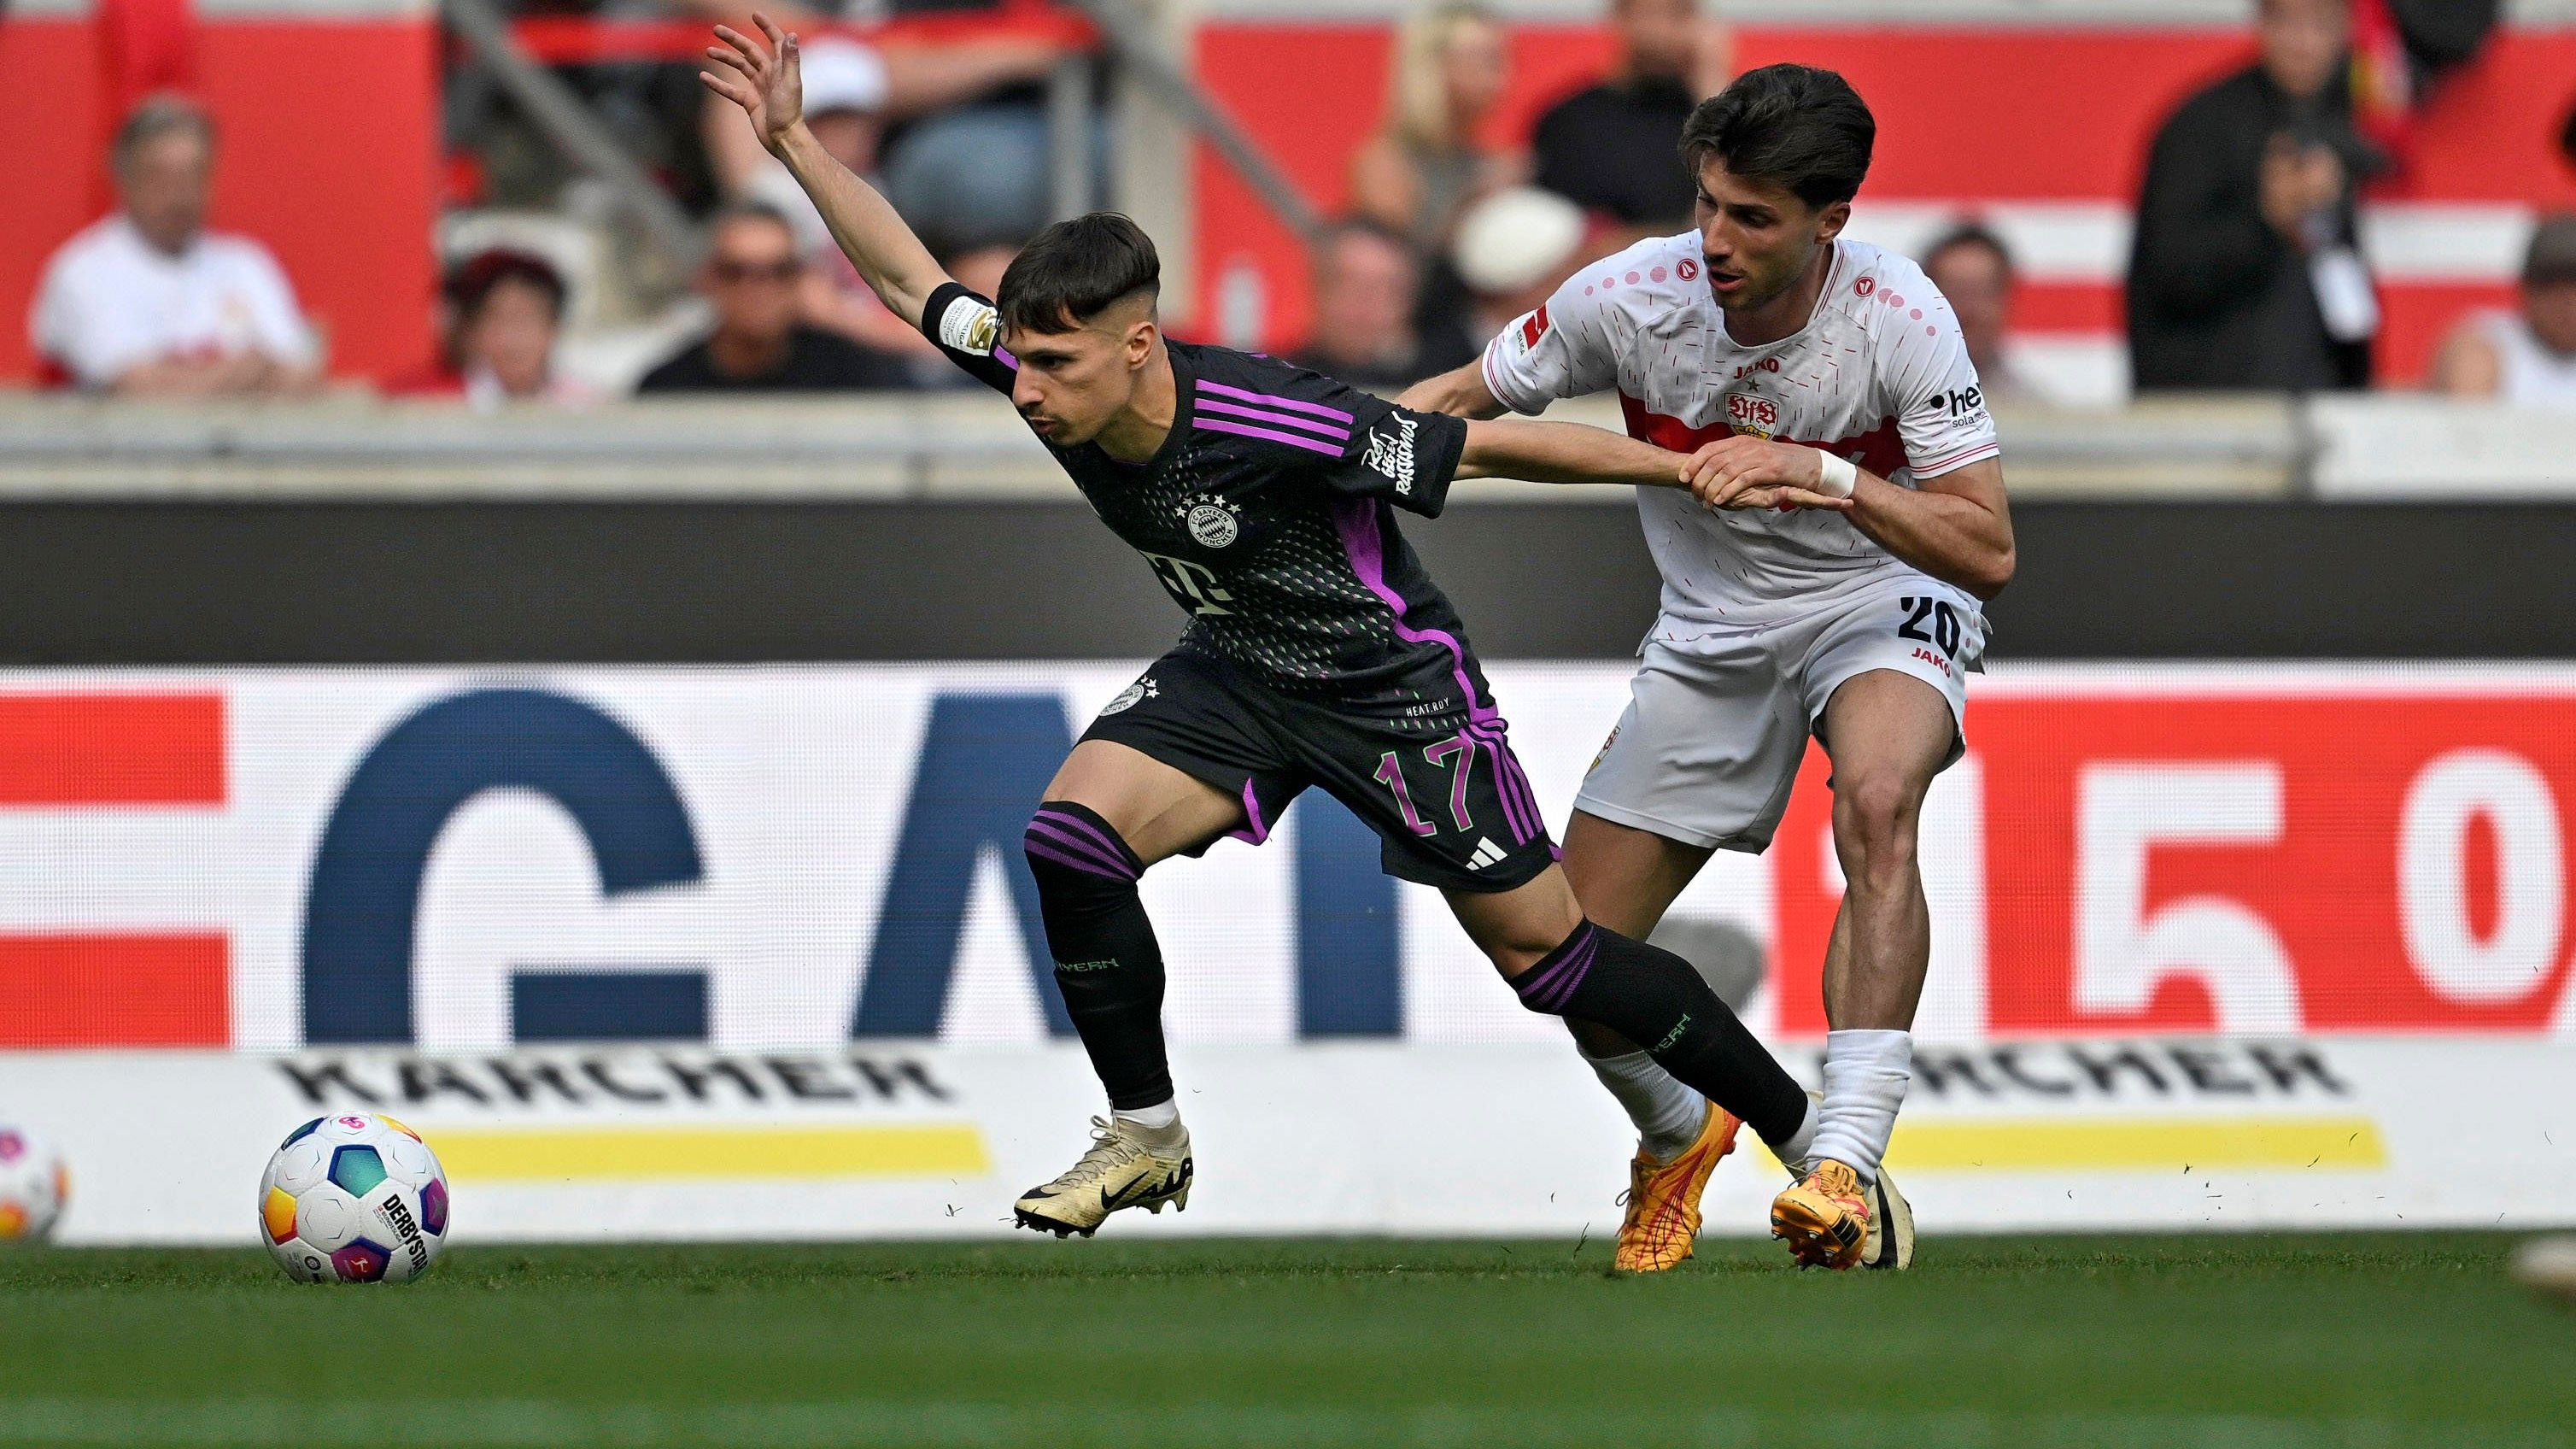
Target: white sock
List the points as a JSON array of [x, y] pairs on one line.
[[1793, 1154], [1668, 1114], [1865, 1077], [1159, 1125]]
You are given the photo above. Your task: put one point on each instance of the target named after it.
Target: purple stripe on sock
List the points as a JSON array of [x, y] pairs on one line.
[[1220, 425], [1329, 431], [1555, 988], [1109, 844], [1273, 399], [1538, 983], [1083, 863], [1053, 830]]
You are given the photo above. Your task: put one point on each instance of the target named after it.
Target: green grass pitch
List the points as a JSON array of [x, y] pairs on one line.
[[2310, 1340]]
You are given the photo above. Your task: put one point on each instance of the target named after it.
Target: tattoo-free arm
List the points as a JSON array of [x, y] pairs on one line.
[[1957, 527], [1538, 452], [1460, 392]]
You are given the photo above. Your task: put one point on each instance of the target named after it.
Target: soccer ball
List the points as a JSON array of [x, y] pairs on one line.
[[357, 1198], [34, 1185]]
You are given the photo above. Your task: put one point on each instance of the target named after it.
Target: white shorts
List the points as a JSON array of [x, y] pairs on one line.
[[1716, 728]]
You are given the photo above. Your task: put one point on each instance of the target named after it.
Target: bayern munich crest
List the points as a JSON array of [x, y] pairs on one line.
[[1211, 520], [1131, 696]]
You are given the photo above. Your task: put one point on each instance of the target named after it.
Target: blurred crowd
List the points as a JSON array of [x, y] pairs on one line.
[[2246, 271]]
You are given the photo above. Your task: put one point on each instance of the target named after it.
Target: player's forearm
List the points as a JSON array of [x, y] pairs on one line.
[[1460, 392], [1958, 540], [878, 242], [1537, 452]]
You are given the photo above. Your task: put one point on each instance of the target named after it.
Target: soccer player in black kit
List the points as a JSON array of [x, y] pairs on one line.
[[1318, 652]]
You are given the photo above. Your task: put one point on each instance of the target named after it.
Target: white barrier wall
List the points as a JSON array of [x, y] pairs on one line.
[[2171, 906]]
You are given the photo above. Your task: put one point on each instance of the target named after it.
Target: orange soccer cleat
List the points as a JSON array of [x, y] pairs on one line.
[[1663, 1198], [1824, 1218]]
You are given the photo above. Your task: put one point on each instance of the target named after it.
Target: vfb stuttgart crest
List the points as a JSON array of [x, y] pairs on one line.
[[1211, 520], [1747, 413]]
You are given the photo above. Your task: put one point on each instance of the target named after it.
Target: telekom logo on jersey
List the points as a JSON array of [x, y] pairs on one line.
[[2179, 862]]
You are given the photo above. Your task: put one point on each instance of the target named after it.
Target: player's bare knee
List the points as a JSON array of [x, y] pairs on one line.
[[1874, 827]]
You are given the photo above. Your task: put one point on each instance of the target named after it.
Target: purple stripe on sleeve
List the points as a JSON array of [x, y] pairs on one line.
[[1003, 356], [1332, 431], [1107, 844], [1220, 425], [1083, 863], [1273, 399], [1052, 829]]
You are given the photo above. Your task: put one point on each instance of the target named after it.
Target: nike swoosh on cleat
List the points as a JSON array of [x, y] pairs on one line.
[[1142, 1187]]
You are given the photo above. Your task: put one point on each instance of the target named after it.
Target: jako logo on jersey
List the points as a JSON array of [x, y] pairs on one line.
[[1212, 521], [1392, 453], [1758, 416], [970, 326], [1132, 696], [1534, 327], [1768, 364]]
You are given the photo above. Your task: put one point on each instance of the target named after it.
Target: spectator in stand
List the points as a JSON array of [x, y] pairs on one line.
[[147, 301], [2527, 355], [753, 269], [1612, 148], [955, 134], [504, 309], [2244, 275], [1367, 281], [1513, 248], [1426, 164], [1972, 268]]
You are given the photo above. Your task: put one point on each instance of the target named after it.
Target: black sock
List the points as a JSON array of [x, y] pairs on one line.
[[1655, 999], [1106, 961]]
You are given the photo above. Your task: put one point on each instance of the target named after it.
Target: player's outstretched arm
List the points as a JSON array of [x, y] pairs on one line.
[[766, 81], [1460, 392], [1537, 452]]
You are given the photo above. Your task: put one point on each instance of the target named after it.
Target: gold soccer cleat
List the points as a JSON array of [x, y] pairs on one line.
[[1824, 1218], [1663, 1198], [1118, 1172]]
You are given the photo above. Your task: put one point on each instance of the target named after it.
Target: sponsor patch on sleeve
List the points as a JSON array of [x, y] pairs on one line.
[[969, 325]]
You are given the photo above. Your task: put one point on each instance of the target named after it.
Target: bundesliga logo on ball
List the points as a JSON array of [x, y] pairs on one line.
[[357, 1198], [34, 1186]]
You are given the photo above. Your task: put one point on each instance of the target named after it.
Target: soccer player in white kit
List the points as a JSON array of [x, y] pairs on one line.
[[1849, 520]]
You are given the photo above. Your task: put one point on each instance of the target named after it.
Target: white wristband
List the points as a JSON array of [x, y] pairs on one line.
[[1835, 477]]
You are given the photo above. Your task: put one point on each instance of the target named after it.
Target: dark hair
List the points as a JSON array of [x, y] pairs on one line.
[[1969, 234], [471, 283], [1074, 270], [755, 210], [156, 116], [1794, 125]]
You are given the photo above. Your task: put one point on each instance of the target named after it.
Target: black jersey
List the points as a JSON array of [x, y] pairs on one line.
[[1268, 515]]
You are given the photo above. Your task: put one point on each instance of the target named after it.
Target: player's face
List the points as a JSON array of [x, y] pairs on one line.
[[1757, 237], [2303, 41], [1073, 384]]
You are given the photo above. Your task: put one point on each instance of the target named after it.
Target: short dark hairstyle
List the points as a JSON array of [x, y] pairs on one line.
[[759, 211], [1074, 270], [1970, 234], [473, 281], [156, 116], [1792, 125]]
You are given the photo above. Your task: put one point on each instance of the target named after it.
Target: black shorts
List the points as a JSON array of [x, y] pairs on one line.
[[1437, 783]]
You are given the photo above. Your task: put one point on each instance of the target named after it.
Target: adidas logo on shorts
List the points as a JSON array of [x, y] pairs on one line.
[[1487, 853]]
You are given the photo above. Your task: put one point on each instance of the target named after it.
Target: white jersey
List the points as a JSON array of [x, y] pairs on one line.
[[1879, 375], [110, 301]]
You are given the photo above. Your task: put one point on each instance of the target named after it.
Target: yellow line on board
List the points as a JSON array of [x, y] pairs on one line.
[[2025, 1144], [633, 1153]]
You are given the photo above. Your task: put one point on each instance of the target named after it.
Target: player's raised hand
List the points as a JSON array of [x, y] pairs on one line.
[[1743, 471], [765, 80]]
